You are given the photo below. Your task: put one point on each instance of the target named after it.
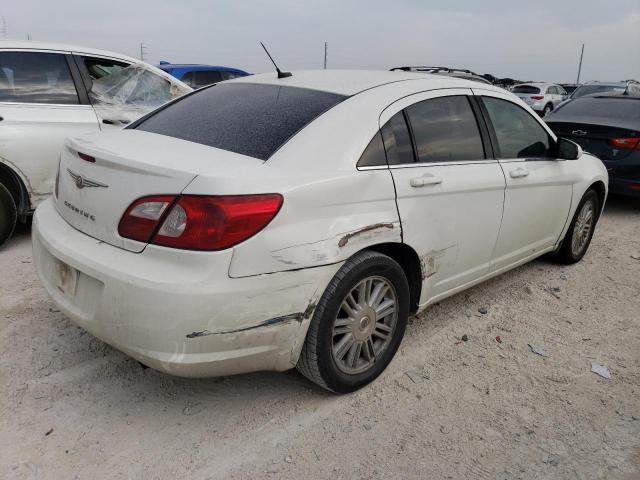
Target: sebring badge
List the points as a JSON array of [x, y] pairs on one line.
[[82, 182]]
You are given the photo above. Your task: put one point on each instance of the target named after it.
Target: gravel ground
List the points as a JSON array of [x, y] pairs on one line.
[[72, 407]]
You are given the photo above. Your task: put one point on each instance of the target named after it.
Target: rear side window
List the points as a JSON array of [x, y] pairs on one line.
[[31, 77], [202, 79], [445, 130], [397, 140], [519, 135], [525, 89], [250, 119], [373, 155]]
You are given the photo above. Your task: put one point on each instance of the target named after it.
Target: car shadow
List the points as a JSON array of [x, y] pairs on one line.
[[622, 204]]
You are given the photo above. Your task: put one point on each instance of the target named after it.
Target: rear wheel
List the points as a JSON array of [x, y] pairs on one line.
[[580, 232], [358, 324], [547, 110], [8, 214]]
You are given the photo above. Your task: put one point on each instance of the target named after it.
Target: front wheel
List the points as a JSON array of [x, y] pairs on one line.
[[580, 232], [358, 324], [8, 214]]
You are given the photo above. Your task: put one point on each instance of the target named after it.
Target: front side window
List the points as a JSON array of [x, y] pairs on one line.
[[249, 119], [445, 130], [101, 67], [33, 77], [519, 135]]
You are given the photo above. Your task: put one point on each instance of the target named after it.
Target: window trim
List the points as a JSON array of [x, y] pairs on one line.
[[494, 138]]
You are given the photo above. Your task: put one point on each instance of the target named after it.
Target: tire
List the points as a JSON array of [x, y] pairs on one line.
[[548, 108], [332, 328], [8, 214], [576, 241]]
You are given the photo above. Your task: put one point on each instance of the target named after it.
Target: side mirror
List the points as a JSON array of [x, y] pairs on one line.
[[568, 150]]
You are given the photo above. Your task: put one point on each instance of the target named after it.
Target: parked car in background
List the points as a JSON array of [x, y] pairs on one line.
[[569, 87], [450, 72], [267, 223], [49, 92], [541, 97], [630, 86], [198, 76], [608, 126]]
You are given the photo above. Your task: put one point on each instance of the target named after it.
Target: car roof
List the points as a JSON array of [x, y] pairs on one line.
[[351, 82], [33, 45]]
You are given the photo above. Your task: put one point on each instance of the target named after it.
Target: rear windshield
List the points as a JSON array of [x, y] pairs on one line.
[[525, 89], [589, 89], [627, 108], [250, 119]]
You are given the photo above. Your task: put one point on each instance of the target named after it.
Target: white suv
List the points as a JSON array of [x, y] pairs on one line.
[[541, 97], [49, 92]]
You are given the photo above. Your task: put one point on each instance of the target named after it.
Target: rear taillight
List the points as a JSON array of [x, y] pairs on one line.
[[195, 222], [537, 97], [626, 143]]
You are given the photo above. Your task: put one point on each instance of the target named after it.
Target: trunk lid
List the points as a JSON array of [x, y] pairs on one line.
[[128, 164], [595, 139]]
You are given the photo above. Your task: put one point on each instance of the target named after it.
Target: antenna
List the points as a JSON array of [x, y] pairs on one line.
[[580, 66], [280, 74], [3, 27]]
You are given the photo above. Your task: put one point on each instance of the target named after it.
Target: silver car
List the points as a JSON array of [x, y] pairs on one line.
[[541, 97]]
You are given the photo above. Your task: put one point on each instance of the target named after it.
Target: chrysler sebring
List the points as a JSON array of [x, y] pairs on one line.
[[268, 223]]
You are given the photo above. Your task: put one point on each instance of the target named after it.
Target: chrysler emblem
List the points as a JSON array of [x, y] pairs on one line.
[[579, 132], [82, 182]]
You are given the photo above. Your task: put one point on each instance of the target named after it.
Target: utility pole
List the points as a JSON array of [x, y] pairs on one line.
[[325, 55], [580, 65], [143, 51], [3, 28]]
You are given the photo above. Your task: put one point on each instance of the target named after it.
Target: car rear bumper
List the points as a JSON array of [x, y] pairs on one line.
[[176, 311], [624, 187]]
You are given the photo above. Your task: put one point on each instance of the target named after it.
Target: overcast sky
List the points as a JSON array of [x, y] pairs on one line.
[[533, 40]]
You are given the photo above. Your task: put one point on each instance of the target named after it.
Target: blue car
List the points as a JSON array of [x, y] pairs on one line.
[[197, 76]]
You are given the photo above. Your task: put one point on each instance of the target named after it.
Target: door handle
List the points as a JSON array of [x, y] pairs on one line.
[[426, 179], [519, 173]]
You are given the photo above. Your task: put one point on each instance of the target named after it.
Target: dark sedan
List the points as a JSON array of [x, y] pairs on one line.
[[608, 126]]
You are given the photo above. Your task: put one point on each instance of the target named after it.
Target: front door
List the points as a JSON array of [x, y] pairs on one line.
[[449, 191], [538, 194]]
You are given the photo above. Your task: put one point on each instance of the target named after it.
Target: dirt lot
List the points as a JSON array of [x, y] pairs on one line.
[[72, 407]]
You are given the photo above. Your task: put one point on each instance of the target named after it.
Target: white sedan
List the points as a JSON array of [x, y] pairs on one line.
[[266, 223]]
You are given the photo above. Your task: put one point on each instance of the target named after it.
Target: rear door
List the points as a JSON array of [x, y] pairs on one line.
[[449, 191], [40, 105], [539, 187]]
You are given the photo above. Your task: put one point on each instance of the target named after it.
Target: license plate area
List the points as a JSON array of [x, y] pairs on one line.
[[66, 278]]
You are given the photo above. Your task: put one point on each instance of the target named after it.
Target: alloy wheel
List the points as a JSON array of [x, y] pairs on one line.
[[582, 228], [364, 325]]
